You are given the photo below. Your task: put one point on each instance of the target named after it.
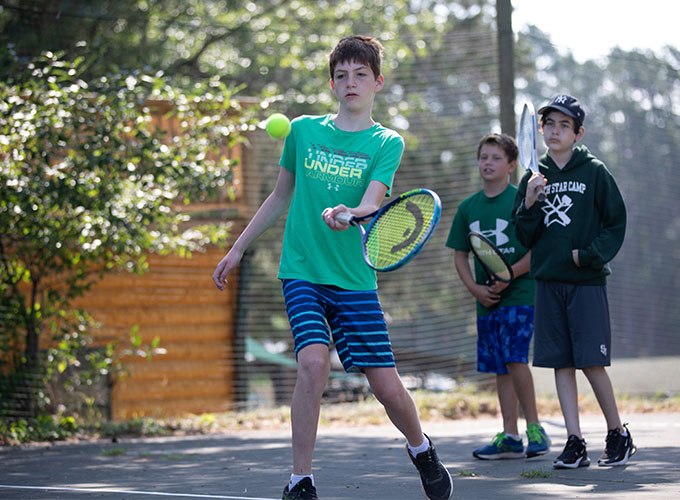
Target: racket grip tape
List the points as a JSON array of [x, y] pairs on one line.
[[344, 218]]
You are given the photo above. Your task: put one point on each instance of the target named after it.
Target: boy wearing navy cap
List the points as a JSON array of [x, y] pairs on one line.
[[573, 235]]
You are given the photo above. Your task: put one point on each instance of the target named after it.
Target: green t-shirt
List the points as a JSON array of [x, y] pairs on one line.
[[331, 167], [492, 217]]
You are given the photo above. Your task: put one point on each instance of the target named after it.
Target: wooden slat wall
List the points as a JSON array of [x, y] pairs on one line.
[[176, 301]]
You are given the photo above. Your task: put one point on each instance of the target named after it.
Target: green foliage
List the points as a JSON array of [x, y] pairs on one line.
[[466, 473], [136, 427], [536, 474], [114, 452], [87, 186], [274, 47], [41, 428]]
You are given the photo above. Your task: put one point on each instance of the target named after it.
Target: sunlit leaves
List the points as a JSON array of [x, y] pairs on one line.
[[89, 183]]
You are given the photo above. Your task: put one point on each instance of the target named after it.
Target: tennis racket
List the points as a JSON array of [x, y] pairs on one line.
[[496, 266], [526, 141], [399, 230]]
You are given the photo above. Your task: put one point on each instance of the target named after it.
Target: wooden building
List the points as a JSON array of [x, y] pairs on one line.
[[177, 302]]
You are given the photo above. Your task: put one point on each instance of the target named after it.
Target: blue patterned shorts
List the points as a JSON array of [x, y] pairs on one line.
[[355, 319], [504, 337]]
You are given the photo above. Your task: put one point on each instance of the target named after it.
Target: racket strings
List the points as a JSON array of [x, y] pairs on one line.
[[492, 260], [526, 141], [399, 231]]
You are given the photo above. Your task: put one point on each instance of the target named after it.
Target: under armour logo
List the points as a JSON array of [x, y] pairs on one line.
[[330, 187], [493, 234], [561, 99], [603, 349], [556, 210]]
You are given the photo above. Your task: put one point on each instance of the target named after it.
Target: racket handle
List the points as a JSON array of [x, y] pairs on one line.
[[344, 218], [541, 195]]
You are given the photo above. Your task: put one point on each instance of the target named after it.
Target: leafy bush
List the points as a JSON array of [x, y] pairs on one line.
[[89, 185]]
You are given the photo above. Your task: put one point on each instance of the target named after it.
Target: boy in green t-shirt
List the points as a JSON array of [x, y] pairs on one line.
[[505, 312], [332, 164]]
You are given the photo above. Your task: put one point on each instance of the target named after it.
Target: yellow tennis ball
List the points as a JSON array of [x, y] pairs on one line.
[[278, 126]]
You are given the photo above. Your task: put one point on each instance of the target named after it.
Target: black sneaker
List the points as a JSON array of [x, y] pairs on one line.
[[304, 490], [435, 480], [573, 456], [618, 449]]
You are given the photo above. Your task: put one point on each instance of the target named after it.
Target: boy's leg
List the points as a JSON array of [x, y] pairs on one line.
[[312, 375], [567, 392], [436, 482], [574, 454], [538, 441], [491, 340], [604, 392], [516, 324], [619, 445], [507, 397], [390, 391], [523, 383]]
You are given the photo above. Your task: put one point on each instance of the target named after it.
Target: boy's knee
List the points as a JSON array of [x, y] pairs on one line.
[[391, 394], [313, 363]]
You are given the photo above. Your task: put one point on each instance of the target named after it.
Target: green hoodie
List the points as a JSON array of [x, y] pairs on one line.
[[583, 210]]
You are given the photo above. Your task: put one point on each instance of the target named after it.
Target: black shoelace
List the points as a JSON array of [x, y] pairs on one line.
[[430, 465]]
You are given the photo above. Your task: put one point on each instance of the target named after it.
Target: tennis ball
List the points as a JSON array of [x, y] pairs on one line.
[[278, 126]]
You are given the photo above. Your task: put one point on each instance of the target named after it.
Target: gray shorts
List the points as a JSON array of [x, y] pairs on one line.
[[571, 325]]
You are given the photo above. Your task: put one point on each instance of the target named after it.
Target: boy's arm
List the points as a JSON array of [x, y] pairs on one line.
[[522, 266], [269, 212], [482, 293], [370, 202], [613, 215]]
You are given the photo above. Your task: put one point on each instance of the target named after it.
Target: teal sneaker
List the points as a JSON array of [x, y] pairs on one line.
[[539, 442], [502, 446]]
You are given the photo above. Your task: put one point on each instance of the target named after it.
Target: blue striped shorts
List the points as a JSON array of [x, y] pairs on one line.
[[355, 319]]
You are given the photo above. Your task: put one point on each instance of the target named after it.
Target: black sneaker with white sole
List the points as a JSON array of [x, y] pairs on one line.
[[435, 480], [574, 454], [618, 448]]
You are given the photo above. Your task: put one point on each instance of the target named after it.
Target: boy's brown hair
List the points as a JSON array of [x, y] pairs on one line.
[[503, 141], [360, 49]]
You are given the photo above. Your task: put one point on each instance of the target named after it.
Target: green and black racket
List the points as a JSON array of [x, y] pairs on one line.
[[490, 257]]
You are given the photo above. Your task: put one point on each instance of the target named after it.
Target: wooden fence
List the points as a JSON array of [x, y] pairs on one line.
[[177, 302]]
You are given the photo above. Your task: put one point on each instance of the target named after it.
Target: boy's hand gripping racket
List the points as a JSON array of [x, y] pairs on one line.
[[399, 230], [526, 141], [490, 257]]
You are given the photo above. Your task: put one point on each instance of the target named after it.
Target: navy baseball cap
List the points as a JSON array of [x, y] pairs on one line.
[[566, 104]]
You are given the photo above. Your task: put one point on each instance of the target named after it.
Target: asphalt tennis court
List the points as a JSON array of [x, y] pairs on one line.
[[367, 463]]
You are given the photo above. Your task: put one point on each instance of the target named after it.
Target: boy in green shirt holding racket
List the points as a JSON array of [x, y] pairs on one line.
[[331, 164], [505, 312]]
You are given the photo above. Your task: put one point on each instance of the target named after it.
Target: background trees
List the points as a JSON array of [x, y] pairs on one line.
[[441, 94]]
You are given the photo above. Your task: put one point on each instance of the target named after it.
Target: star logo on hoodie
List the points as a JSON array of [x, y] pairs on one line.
[[556, 210]]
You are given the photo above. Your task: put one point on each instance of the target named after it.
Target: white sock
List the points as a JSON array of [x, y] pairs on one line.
[[516, 437], [416, 450], [296, 478]]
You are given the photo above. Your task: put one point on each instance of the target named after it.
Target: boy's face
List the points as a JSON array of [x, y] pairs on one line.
[[558, 131], [493, 163], [355, 85]]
